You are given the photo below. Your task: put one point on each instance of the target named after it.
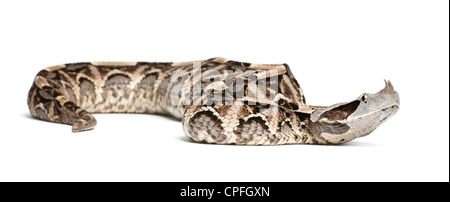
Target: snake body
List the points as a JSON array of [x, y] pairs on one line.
[[229, 102]]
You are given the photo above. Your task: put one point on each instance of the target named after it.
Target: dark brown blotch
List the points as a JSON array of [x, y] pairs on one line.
[[341, 112], [86, 86], [149, 80], [76, 67], [117, 80]]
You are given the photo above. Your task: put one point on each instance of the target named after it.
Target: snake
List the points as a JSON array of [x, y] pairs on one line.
[[217, 100]]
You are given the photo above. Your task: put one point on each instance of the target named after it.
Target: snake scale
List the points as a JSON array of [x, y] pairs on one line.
[[218, 100]]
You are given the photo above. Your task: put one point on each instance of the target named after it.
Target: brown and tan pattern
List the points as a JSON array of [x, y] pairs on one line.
[[219, 106]]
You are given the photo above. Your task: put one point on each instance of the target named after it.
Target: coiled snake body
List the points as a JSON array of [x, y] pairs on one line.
[[219, 101]]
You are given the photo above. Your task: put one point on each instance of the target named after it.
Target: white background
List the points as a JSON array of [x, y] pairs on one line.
[[336, 49]]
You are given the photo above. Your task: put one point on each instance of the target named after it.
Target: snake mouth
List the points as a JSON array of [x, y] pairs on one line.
[[383, 114], [391, 108]]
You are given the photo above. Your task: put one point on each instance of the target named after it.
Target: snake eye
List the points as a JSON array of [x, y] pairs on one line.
[[364, 98]]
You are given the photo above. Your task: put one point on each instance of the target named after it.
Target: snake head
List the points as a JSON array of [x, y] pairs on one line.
[[344, 122]]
